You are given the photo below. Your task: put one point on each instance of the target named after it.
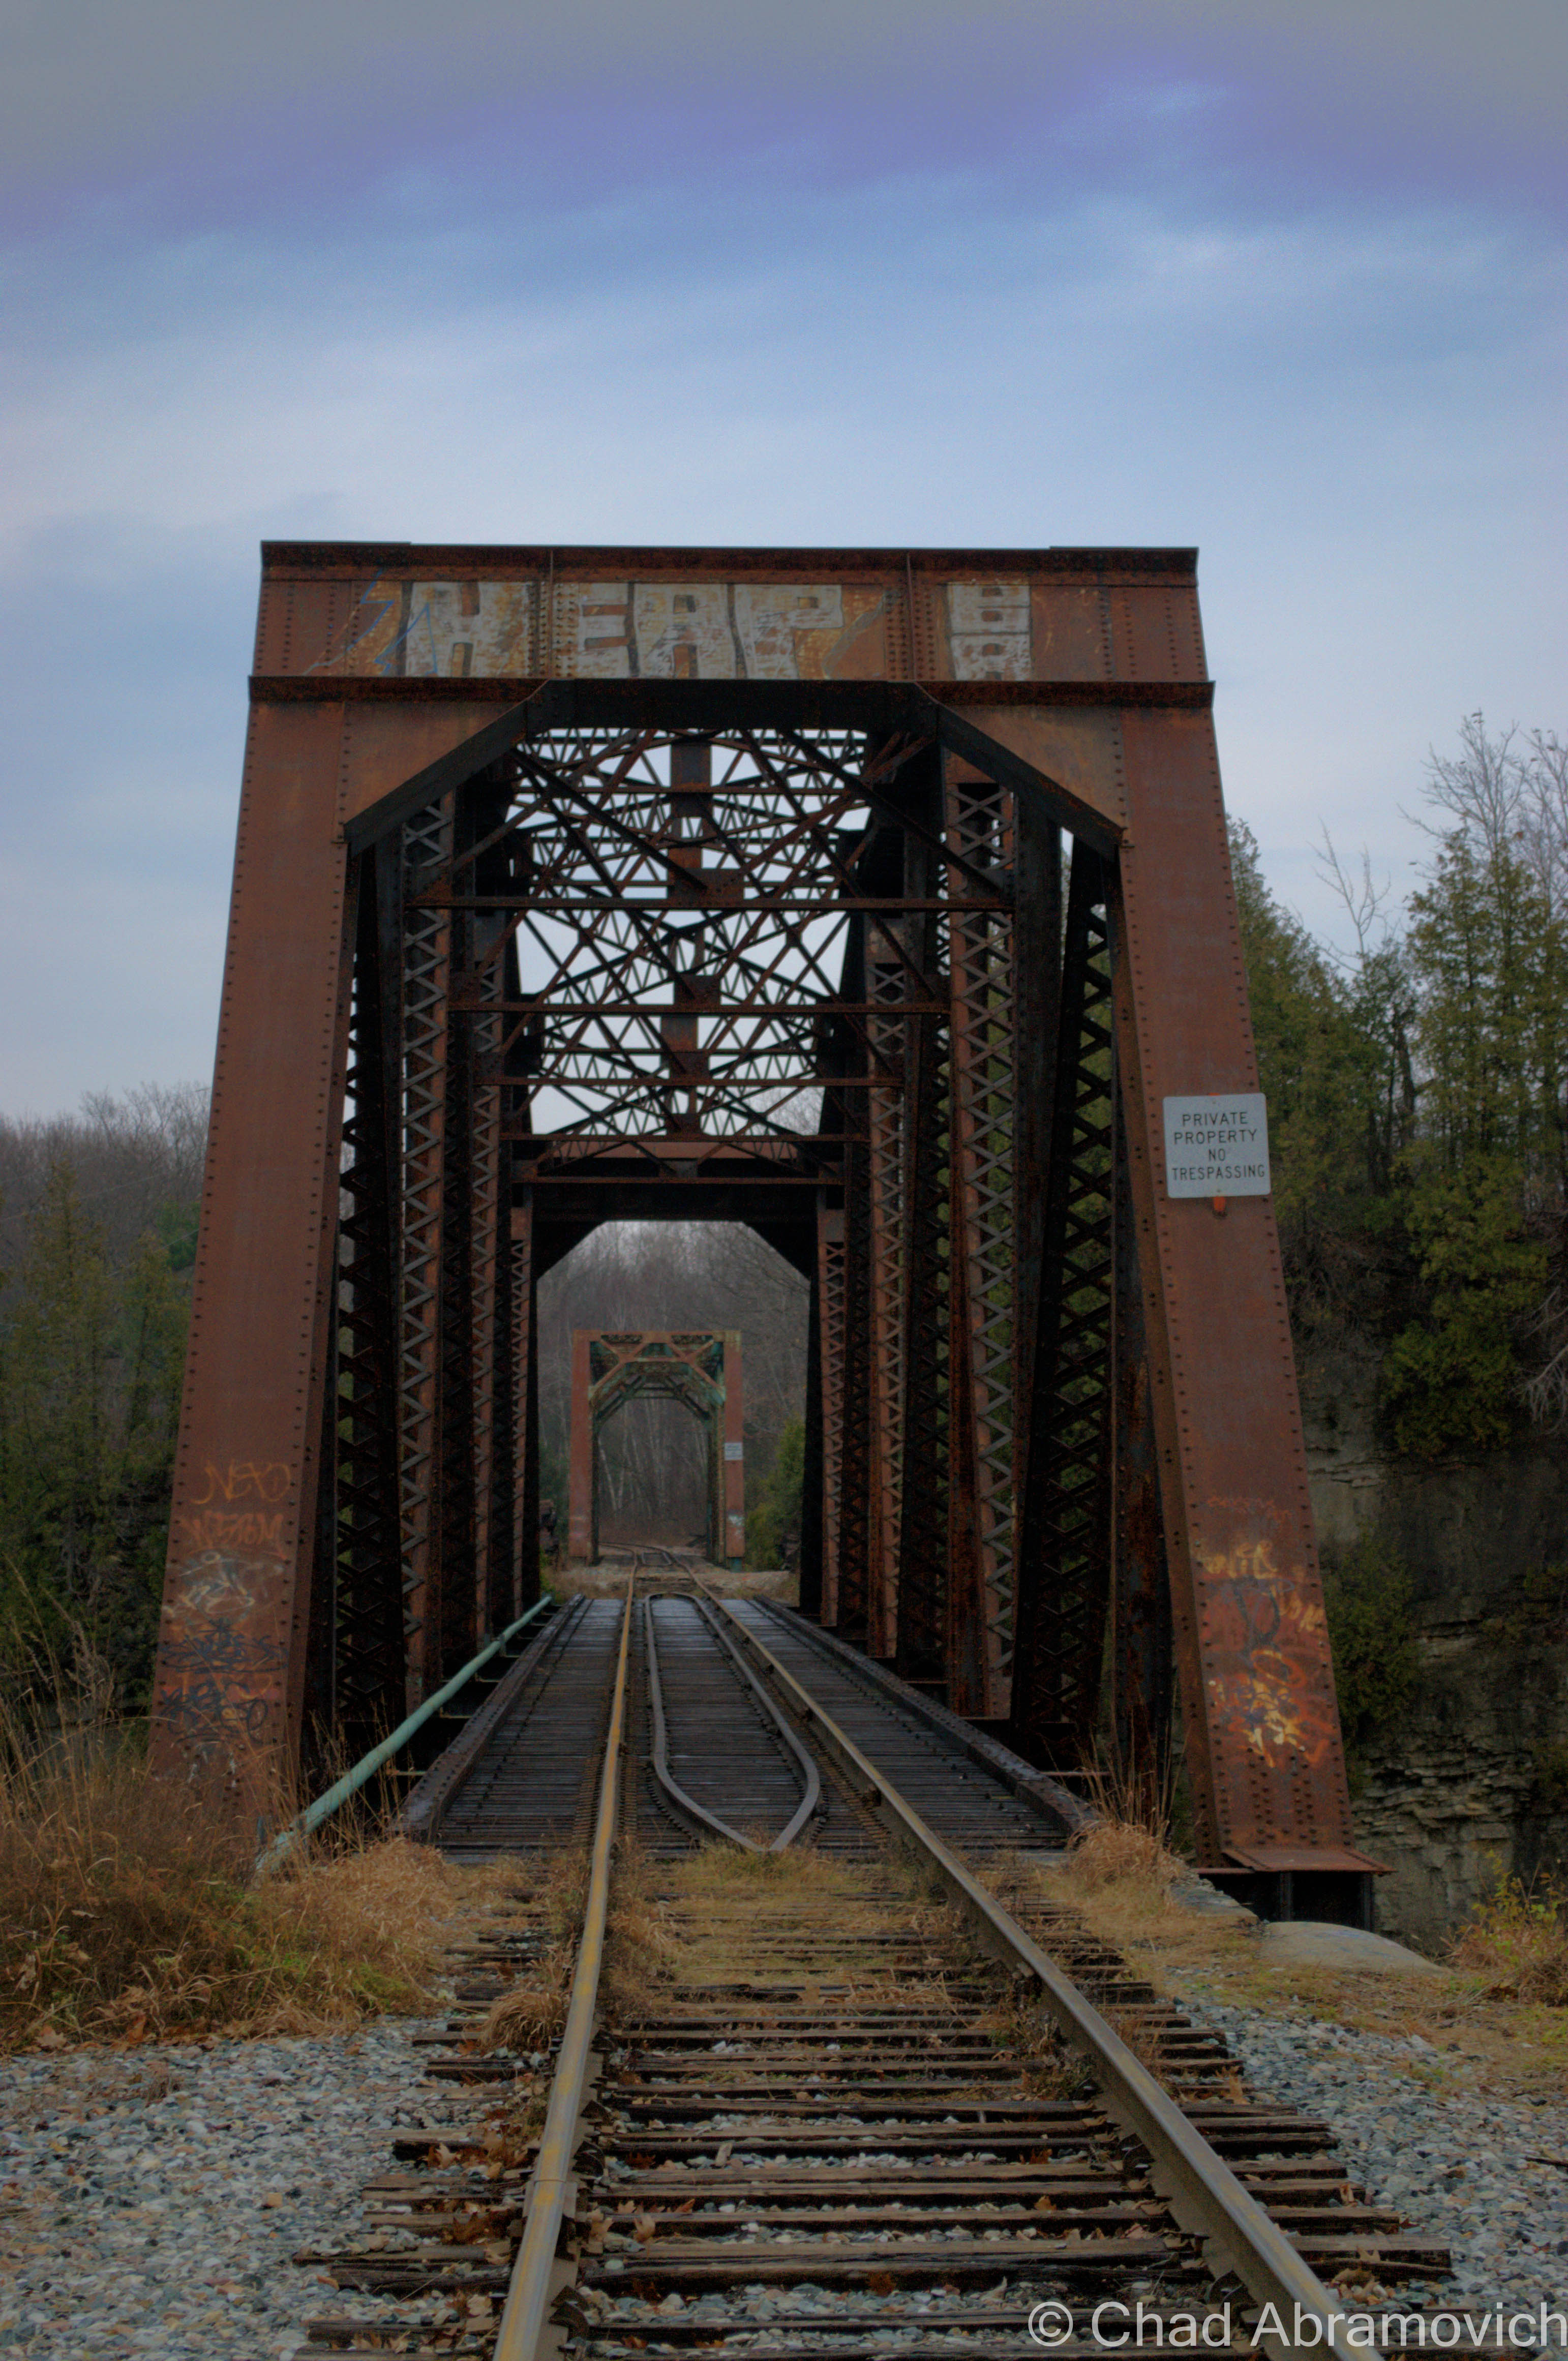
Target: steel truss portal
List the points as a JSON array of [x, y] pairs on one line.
[[576, 886], [699, 1367]]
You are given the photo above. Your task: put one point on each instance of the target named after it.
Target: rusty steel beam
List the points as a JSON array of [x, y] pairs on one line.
[[1263, 1735], [370, 1621], [981, 1264], [829, 1299], [229, 1697], [1064, 1584]]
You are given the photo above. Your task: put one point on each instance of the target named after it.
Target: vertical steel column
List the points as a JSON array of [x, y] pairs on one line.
[[525, 1408], [814, 1487], [844, 1256], [456, 1410], [1065, 1557], [1141, 1664], [477, 1550], [490, 1547], [733, 1541], [1263, 1735], [981, 1273], [427, 847], [582, 1529], [830, 1341], [319, 1707], [857, 1509], [923, 1568], [1036, 972], [370, 1637], [228, 1699], [885, 975]]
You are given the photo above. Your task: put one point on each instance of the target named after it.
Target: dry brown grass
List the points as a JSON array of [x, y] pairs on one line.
[[1516, 1937], [1119, 1878], [128, 1911], [1122, 1853], [722, 1873], [530, 2015], [642, 1952], [1022, 2024]]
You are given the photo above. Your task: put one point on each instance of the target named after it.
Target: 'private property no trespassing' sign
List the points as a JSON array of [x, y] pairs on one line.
[[1217, 1147]]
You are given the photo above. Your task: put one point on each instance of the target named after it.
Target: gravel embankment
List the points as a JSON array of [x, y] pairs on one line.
[[152, 2201], [1458, 2165]]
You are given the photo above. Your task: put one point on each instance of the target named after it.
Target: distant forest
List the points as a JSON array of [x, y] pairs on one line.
[[1418, 1096]]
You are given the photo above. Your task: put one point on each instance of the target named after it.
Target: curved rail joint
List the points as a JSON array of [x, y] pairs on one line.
[[685, 1805], [524, 2315], [1203, 2192], [273, 1855]]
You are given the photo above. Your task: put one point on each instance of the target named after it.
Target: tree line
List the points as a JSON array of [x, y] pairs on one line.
[[1418, 1102], [1418, 1095], [97, 1236]]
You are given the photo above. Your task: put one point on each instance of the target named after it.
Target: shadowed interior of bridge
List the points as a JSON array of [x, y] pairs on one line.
[[521, 1775]]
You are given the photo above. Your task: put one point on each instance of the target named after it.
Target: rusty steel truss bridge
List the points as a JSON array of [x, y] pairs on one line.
[[877, 900]]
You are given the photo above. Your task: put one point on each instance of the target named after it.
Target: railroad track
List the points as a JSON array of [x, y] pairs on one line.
[[852, 2087]]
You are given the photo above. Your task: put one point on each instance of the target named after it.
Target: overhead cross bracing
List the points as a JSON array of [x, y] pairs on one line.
[[587, 885]]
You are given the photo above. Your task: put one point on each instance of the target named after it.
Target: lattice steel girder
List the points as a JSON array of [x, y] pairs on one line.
[[983, 1110], [1066, 1557]]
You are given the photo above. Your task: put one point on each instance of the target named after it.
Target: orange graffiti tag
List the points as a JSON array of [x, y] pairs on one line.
[[244, 1480], [1265, 1655]]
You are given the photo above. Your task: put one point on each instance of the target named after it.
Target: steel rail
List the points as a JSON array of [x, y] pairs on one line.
[[534, 2280], [1203, 2194], [275, 1853], [686, 1804]]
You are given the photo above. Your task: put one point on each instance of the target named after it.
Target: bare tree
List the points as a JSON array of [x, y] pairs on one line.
[[1510, 795], [137, 1159]]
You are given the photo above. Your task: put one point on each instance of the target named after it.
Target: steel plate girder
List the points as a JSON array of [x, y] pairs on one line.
[[229, 1688], [231, 1671], [1263, 1734]]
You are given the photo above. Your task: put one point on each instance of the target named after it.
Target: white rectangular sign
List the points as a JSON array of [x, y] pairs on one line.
[[1216, 1146], [734, 1451]]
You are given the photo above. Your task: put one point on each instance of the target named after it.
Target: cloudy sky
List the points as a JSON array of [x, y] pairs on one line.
[[1284, 280]]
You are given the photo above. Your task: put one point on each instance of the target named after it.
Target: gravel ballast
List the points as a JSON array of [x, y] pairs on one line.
[[1460, 2165], [152, 2201]]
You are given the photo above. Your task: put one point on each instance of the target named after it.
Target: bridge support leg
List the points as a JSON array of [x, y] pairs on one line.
[[229, 1698]]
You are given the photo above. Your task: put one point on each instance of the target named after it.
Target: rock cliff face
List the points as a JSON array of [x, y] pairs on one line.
[[1473, 1774]]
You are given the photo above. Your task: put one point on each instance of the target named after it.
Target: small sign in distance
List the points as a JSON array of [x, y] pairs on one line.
[[1217, 1145]]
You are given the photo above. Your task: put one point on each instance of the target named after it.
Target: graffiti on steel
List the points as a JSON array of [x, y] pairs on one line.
[[221, 1671], [667, 631], [221, 1681], [1264, 1644]]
